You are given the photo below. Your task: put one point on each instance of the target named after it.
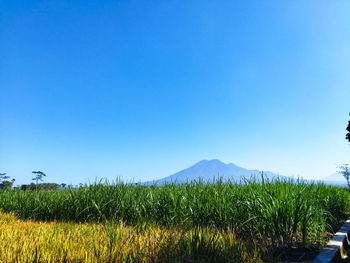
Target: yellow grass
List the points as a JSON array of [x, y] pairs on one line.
[[28, 241]]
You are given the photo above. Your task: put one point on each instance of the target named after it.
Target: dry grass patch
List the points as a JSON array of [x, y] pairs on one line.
[[28, 241]]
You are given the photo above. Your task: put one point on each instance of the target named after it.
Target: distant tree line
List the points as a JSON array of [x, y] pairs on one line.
[[42, 186], [7, 183]]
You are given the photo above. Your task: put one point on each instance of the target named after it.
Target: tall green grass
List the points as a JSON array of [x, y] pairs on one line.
[[280, 212]]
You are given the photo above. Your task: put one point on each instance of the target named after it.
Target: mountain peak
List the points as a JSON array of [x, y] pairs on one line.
[[211, 170], [216, 161], [206, 162]]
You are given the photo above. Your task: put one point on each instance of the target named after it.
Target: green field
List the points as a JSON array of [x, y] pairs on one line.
[[269, 217]]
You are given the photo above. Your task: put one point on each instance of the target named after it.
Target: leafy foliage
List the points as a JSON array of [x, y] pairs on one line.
[[280, 213]]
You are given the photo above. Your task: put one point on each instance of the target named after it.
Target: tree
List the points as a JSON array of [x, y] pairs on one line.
[[7, 184], [3, 177], [4, 183], [38, 176], [348, 129], [345, 171]]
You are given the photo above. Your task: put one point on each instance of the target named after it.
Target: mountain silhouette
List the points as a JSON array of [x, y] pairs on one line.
[[212, 170]]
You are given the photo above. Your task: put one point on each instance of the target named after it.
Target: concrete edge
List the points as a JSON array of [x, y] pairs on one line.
[[335, 249]]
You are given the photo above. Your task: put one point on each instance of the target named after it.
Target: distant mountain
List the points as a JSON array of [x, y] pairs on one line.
[[209, 170], [334, 179]]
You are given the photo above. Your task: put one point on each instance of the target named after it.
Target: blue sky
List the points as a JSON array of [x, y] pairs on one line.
[[142, 89]]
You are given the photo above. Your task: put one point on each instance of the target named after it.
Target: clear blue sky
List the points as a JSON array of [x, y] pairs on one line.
[[142, 89]]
